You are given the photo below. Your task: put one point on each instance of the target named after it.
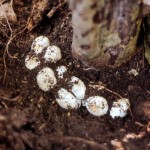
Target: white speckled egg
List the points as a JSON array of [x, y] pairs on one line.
[[39, 44], [61, 70], [31, 62], [52, 54], [46, 79], [78, 88], [97, 105], [66, 100], [120, 108]]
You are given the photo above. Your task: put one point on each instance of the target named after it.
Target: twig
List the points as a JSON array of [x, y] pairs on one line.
[[54, 9], [102, 87], [148, 127], [113, 92], [5, 105]]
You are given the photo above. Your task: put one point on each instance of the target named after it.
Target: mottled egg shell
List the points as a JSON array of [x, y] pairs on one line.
[[52, 54], [39, 44], [97, 105], [31, 62], [46, 79], [61, 70], [78, 88], [120, 108], [66, 100]]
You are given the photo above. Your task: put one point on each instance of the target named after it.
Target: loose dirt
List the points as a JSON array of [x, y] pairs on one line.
[[31, 119]]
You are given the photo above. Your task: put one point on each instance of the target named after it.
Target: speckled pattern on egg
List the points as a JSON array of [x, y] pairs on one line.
[[60, 71], [120, 108], [97, 105], [73, 95], [39, 44], [66, 100], [46, 79], [52, 54], [78, 88], [31, 61]]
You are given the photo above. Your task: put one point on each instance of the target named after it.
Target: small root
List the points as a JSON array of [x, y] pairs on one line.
[[10, 38], [113, 92], [148, 127], [6, 51], [101, 86], [148, 92], [4, 104]]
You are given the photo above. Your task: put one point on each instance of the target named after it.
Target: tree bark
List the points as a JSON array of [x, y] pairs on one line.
[[105, 32], [147, 37]]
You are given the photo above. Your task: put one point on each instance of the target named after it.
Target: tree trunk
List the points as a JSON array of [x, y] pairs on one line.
[[147, 38], [105, 32]]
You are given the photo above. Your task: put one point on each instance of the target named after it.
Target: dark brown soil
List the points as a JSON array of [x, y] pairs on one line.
[[31, 119]]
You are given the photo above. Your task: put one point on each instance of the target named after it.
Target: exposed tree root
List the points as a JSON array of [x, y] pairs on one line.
[[66, 139]]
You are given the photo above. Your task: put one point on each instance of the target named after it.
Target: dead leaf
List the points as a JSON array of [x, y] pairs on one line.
[[37, 12], [7, 12]]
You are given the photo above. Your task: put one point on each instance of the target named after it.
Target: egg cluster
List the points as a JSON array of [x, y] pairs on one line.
[[72, 97]]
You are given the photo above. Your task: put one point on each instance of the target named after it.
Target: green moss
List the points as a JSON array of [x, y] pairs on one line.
[[147, 52], [135, 12], [102, 3], [103, 34], [147, 39], [112, 40], [129, 49]]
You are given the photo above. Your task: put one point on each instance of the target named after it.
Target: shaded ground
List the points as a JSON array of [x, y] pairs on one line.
[[30, 118]]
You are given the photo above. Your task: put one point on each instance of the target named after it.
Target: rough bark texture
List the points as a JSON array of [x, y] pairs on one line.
[[105, 32], [147, 37]]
